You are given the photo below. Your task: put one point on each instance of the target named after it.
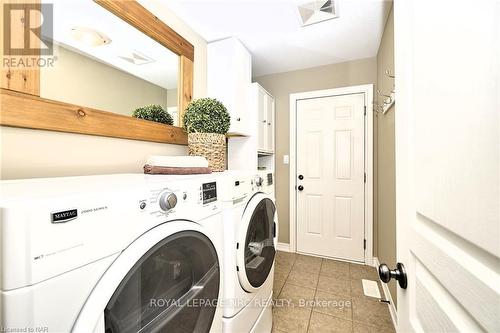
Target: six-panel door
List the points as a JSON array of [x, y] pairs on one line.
[[330, 161]]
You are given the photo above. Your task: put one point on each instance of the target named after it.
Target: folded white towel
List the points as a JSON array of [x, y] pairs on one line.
[[178, 161]]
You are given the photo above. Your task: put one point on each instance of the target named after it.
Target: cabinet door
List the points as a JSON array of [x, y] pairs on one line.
[[220, 82], [228, 79], [262, 121], [270, 124], [242, 77]]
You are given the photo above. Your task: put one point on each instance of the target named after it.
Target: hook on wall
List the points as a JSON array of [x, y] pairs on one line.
[[388, 100], [377, 108]]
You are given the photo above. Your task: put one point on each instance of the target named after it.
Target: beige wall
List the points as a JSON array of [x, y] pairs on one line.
[[281, 85], [172, 98], [29, 153], [84, 81], [386, 235]]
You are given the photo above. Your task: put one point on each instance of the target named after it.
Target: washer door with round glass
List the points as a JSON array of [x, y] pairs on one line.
[[172, 287], [257, 242]]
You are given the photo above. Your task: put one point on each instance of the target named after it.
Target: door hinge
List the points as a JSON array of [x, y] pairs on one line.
[[364, 177], [365, 110], [364, 244]]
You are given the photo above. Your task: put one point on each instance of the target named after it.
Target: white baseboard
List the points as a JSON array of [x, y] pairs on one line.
[[387, 295], [285, 247]]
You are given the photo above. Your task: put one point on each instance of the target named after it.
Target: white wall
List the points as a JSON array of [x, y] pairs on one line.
[[27, 153]]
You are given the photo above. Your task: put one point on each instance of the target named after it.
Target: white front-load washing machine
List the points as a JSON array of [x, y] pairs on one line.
[[250, 227], [116, 253]]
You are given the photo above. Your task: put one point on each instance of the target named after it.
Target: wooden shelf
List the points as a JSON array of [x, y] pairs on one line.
[[29, 111]]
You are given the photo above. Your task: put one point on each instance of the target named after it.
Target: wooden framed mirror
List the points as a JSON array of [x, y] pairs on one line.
[[101, 78]]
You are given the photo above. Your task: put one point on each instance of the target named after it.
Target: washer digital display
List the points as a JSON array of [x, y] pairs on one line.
[[209, 192]]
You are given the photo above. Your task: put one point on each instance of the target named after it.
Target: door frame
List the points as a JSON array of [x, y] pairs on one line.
[[367, 90]]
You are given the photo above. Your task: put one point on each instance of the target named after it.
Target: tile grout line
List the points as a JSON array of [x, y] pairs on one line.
[[352, 297], [286, 278], [314, 298]]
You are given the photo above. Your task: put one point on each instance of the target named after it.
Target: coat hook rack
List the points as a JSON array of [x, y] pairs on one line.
[[377, 108], [388, 100]]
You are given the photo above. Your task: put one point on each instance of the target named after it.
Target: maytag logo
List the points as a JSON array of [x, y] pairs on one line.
[[64, 216]]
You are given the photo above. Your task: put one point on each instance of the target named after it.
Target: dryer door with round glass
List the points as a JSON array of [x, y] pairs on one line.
[[257, 242], [172, 287]]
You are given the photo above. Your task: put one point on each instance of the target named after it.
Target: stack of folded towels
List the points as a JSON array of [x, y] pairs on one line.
[[176, 165]]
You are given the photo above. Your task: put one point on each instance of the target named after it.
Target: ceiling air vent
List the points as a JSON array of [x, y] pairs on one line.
[[137, 58], [317, 11]]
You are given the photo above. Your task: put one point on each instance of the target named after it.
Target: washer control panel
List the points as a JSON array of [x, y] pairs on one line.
[[181, 199], [168, 200], [209, 192], [258, 181]]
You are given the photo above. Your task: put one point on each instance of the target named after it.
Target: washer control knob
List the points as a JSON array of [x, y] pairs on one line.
[[259, 180], [168, 200]]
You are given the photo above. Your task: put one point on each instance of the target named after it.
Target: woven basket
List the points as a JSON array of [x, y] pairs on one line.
[[212, 146]]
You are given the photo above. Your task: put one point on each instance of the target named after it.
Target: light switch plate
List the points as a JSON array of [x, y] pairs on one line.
[[286, 159]]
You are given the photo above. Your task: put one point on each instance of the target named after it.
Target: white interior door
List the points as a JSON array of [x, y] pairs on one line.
[[447, 164], [330, 176]]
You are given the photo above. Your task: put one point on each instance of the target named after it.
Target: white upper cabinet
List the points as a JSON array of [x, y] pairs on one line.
[[264, 108], [229, 74]]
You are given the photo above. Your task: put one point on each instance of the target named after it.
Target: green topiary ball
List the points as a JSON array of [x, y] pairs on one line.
[[206, 115], [155, 113]]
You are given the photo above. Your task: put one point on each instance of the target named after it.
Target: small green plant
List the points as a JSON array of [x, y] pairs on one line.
[[153, 112], [206, 115]]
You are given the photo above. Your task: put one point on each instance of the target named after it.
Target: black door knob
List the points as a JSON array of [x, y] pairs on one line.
[[301, 177], [300, 187], [399, 274]]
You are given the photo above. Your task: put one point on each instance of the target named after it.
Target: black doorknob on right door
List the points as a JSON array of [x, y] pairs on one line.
[[301, 177], [399, 274], [300, 188]]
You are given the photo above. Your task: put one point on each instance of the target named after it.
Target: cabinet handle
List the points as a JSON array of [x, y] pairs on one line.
[[264, 121], [238, 119], [269, 124]]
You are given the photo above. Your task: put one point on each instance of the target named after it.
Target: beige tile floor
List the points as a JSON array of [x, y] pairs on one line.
[[321, 295]]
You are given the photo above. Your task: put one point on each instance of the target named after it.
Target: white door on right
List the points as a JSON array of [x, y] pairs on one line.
[[330, 176], [447, 164]]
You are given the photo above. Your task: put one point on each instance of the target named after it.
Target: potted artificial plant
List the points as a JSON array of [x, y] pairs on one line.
[[207, 121], [153, 112]]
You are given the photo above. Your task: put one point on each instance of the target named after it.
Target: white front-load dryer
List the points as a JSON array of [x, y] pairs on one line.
[[118, 253], [250, 227]]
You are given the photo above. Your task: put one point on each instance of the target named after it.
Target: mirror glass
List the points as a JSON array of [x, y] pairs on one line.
[[104, 63]]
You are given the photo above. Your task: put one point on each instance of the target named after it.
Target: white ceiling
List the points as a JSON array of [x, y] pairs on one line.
[[125, 39], [271, 30]]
